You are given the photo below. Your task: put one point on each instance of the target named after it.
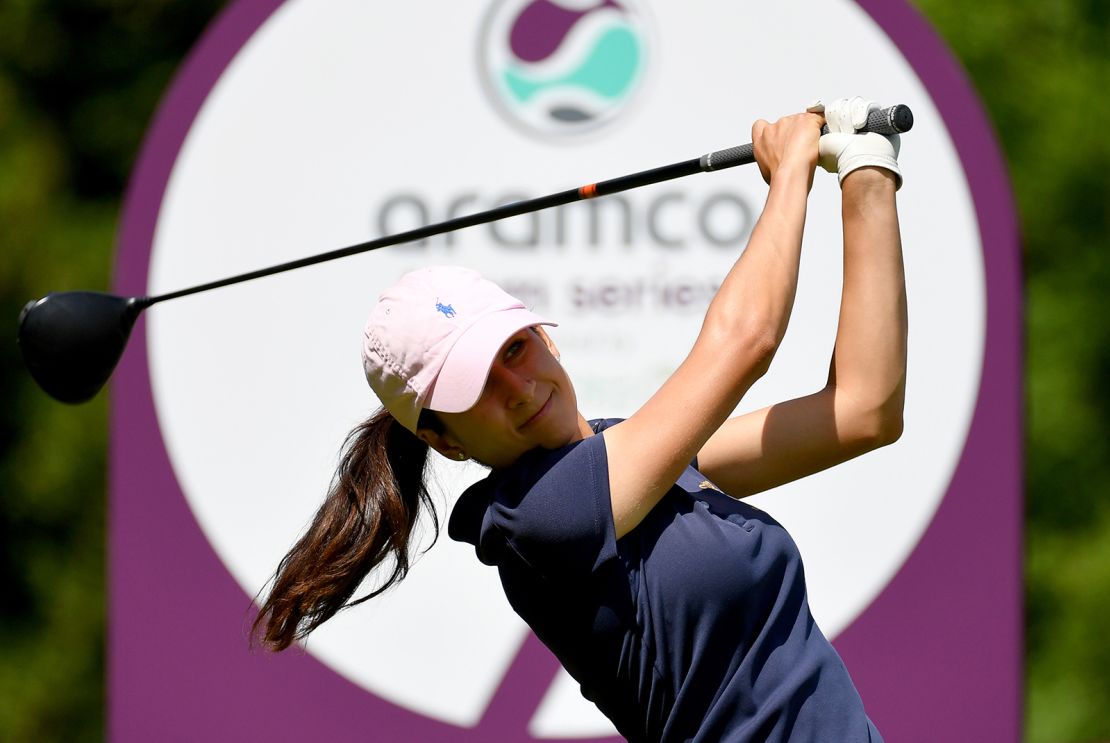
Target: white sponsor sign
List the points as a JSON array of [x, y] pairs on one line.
[[341, 120]]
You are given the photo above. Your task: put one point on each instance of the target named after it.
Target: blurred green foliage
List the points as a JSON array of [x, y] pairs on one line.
[[79, 81], [1040, 68]]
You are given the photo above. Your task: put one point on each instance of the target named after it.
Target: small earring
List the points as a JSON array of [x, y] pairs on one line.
[[460, 456]]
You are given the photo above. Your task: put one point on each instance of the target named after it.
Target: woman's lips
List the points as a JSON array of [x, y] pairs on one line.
[[539, 413]]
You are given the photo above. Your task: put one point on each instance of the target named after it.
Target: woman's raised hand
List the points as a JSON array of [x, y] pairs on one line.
[[845, 149], [790, 142]]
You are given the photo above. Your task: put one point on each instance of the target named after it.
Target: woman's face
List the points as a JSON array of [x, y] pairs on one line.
[[528, 402]]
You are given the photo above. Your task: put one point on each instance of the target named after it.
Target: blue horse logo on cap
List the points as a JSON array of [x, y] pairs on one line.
[[446, 309]]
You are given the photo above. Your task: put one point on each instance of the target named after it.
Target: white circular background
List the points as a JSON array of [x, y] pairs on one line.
[[333, 107]]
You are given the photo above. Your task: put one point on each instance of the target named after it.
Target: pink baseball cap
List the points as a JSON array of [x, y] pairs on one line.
[[432, 337]]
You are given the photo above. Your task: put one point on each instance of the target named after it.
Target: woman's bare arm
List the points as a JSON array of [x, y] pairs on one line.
[[742, 329], [860, 408]]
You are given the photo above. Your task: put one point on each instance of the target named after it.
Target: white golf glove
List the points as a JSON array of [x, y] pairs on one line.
[[842, 150]]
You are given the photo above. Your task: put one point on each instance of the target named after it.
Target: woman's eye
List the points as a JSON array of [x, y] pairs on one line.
[[514, 348]]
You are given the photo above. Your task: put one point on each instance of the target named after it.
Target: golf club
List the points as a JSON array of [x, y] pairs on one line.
[[71, 341]]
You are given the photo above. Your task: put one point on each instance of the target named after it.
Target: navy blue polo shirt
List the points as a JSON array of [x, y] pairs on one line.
[[693, 626]]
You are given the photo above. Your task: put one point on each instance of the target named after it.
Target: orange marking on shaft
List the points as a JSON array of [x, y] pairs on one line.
[[588, 192]]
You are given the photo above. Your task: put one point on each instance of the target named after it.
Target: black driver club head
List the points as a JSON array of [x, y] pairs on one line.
[[71, 341]]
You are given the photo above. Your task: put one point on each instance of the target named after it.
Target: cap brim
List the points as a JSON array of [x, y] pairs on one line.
[[463, 375]]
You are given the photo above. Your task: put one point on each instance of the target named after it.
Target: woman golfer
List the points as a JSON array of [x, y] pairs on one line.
[[680, 610]]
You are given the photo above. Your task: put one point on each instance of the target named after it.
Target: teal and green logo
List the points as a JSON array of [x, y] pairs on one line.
[[563, 67]]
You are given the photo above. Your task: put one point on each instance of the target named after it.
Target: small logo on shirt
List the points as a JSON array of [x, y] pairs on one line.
[[446, 309]]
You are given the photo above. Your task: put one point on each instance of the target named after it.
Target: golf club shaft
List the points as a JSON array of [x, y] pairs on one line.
[[895, 119]]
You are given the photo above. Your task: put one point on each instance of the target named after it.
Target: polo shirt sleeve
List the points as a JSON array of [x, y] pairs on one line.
[[554, 510]]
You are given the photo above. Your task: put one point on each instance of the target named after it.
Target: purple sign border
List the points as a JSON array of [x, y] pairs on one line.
[[938, 652]]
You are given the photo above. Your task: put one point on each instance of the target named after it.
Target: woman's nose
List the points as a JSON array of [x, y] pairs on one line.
[[519, 389]]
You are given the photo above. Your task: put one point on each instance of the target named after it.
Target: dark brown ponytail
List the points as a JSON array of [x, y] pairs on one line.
[[368, 516]]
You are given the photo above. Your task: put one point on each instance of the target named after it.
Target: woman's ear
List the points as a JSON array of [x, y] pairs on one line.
[[442, 443]]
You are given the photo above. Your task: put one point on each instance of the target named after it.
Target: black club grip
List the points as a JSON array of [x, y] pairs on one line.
[[896, 119], [741, 155]]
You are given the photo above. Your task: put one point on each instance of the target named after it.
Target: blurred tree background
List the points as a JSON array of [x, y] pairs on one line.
[[79, 82]]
